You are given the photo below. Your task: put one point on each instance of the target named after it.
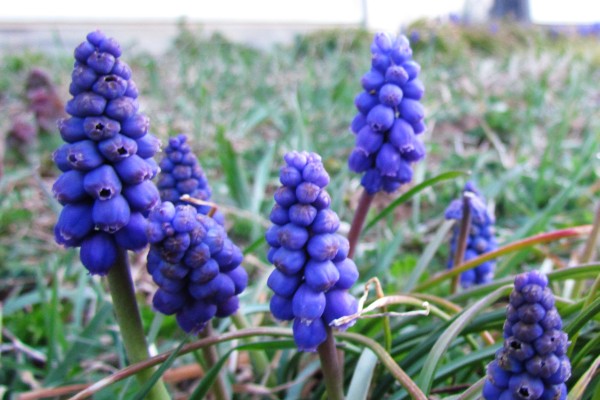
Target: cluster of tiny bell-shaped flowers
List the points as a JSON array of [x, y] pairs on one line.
[[312, 273], [195, 265], [181, 174], [481, 238], [107, 163], [390, 116], [533, 362]]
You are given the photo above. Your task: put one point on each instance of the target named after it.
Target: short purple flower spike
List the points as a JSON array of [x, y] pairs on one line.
[[105, 186], [533, 362], [312, 272], [181, 173], [481, 238], [195, 265], [390, 116]]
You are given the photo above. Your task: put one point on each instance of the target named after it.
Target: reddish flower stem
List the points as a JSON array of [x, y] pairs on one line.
[[359, 220]]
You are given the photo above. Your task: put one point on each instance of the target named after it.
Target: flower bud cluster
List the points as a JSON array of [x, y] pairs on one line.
[[313, 274], [533, 362], [390, 116], [181, 173], [481, 237], [196, 266], [107, 163]]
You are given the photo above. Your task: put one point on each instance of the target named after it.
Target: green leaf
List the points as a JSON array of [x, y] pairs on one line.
[[425, 379], [235, 173], [363, 373], [583, 317], [427, 255], [210, 376], [578, 390], [159, 372], [411, 192]]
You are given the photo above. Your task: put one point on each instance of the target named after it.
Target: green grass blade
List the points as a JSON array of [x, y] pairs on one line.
[[583, 317], [209, 378], [580, 387], [427, 255], [361, 379], [235, 174], [425, 379], [159, 372], [411, 192]]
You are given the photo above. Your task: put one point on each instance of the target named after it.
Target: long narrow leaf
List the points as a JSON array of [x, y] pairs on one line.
[[235, 174], [363, 373], [578, 390], [425, 379], [411, 192], [583, 317]]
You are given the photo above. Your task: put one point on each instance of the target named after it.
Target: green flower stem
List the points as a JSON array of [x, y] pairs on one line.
[[331, 368], [509, 248], [212, 357], [259, 359], [130, 322], [588, 255], [461, 244], [359, 220], [387, 360]]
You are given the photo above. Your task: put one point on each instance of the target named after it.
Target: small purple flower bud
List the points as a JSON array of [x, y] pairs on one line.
[[390, 95], [381, 118], [401, 50], [132, 90], [142, 196], [372, 80], [358, 122], [289, 261], [133, 235], [372, 181], [348, 273], [133, 170], [365, 101], [308, 304], [122, 69], [292, 237], [368, 140], [359, 160], [168, 303], [321, 275], [525, 386], [68, 188], [411, 110], [100, 128], [412, 68], [83, 76], [322, 247], [101, 62], [309, 335], [102, 183], [314, 172], [239, 276], [414, 89], [148, 145], [326, 221], [74, 224], [83, 51], [281, 308], [302, 214], [83, 156], [122, 108], [383, 42], [388, 160], [279, 215], [112, 214], [194, 316], [117, 148], [86, 104], [402, 135], [219, 288], [380, 62], [290, 176], [340, 303], [283, 284], [285, 196], [307, 192], [111, 46], [227, 307], [396, 75], [71, 129], [110, 86], [98, 253], [136, 126]]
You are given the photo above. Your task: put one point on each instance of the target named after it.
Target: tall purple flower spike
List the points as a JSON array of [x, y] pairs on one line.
[[390, 116], [181, 173], [481, 237], [195, 265], [312, 272], [533, 362], [107, 163]]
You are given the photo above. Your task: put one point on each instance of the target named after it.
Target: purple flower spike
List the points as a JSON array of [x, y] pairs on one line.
[[309, 256], [181, 173], [533, 363], [481, 237], [389, 117], [197, 268], [105, 187]]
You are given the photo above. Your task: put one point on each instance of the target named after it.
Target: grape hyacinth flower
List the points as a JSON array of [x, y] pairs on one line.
[[481, 238], [390, 116], [533, 362], [195, 265], [181, 173], [312, 273], [107, 164]]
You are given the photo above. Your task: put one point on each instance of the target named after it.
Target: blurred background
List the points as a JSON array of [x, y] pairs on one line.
[[259, 23]]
